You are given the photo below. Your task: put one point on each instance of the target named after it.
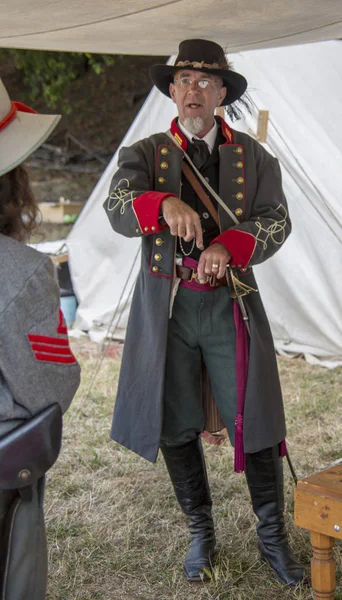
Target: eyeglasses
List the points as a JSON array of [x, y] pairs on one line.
[[186, 82]]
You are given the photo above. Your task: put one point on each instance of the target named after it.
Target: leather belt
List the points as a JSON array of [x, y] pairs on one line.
[[190, 275]]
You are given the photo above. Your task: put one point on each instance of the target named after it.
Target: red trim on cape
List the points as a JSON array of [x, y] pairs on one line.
[[240, 244], [183, 140], [178, 135], [147, 211], [227, 132], [158, 274]]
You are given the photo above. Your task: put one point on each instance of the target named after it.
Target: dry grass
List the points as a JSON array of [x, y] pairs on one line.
[[115, 530]]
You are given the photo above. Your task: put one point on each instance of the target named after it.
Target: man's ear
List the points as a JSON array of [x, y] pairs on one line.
[[172, 92], [221, 96]]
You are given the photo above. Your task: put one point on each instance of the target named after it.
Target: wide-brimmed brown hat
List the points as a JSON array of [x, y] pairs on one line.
[[22, 131], [205, 56]]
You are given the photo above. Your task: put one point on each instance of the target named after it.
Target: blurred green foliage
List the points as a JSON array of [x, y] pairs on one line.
[[47, 74]]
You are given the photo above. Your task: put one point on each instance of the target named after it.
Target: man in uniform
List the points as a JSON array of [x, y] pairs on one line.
[[183, 320]]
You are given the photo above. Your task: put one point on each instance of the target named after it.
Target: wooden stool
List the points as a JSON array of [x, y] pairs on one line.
[[318, 507]]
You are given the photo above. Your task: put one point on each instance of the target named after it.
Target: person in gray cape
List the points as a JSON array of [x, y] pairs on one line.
[[208, 204], [39, 374]]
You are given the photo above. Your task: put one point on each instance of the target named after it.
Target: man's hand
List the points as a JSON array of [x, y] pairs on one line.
[[213, 260], [182, 220], [215, 438]]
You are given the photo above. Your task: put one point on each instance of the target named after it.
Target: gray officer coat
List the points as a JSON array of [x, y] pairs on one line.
[[37, 366], [250, 184]]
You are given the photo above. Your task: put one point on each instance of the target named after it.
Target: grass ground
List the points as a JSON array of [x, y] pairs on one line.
[[115, 531]]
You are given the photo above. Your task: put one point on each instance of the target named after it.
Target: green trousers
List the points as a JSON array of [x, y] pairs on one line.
[[201, 329]]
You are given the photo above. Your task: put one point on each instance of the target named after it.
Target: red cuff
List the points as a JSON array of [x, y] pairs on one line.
[[240, 244], [147, 211]]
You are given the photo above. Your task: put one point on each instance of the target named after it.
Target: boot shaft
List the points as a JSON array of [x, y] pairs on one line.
[[188, 474], [264, 474], [265, 480]]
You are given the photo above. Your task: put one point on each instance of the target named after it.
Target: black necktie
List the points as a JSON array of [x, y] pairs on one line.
[[201, 153]]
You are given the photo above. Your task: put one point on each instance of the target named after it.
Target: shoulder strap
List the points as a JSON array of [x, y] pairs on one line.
[[200, 191], [204, 182]]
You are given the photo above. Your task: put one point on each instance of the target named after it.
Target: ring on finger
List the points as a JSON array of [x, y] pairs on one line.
[[214, 266]]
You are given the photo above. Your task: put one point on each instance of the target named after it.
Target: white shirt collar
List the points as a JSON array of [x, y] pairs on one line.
[[209, 138]]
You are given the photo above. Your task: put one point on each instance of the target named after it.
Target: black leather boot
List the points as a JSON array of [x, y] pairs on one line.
[[264, 474], [188, 474]]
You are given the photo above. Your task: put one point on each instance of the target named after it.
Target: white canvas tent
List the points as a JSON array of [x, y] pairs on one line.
[[301, 285], [150, 27]]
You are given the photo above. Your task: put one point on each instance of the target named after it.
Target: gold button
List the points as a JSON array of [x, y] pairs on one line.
[[158, 257], [155, 269], [239, 164], [137, 230], [239, 196], [24, 474], [159, 242], [244, 269], [240, 180], [164, 151], [145, 228], [238, 150], [161, 179], [164, 165], [153, 228], [239, 212]]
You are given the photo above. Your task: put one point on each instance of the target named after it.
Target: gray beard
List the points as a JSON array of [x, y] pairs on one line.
[[194, 124]]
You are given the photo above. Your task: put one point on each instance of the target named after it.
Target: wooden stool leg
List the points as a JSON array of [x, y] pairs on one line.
[[323, 568]]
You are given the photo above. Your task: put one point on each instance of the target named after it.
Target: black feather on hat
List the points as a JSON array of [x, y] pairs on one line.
[[205, 56]]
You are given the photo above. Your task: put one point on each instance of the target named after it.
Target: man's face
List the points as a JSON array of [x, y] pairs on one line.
[[195, 101]]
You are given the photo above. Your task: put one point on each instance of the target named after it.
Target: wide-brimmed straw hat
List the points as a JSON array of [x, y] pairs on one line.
[[22, 131], [204, 56]]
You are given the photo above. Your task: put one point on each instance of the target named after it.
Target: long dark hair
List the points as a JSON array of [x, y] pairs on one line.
[[18, 208]]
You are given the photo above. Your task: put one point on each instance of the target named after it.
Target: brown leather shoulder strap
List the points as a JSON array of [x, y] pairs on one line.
[[200, 191]]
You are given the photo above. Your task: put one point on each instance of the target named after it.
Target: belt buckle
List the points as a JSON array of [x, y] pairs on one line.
[[211, 279]]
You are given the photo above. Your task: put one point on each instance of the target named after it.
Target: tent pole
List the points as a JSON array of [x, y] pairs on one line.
[[220, 111]]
